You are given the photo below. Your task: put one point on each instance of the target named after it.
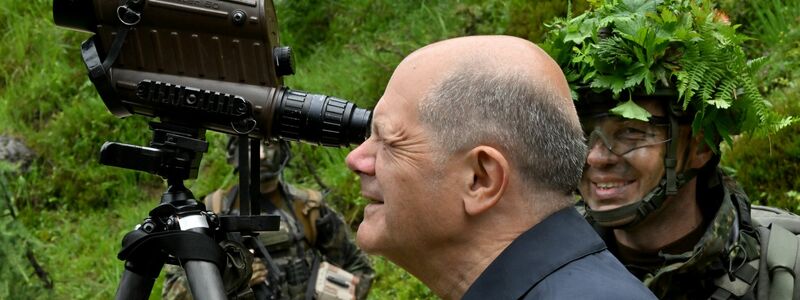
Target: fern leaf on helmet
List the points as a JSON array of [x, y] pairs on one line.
[[637, 47]]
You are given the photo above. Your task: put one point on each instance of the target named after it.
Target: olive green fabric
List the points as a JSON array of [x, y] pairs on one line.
[[784, 228], [781, 259], [291, 248]]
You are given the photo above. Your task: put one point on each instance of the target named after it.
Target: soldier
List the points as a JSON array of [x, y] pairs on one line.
[[313, 240], [658, 85]]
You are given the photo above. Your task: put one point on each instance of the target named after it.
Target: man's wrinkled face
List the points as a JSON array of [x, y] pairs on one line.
[[626, 157], [398, 172]]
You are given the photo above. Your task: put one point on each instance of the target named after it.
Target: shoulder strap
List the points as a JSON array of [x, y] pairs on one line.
[[306, 204], [780, 247], [782, 262], [779, 263], [741, 281]]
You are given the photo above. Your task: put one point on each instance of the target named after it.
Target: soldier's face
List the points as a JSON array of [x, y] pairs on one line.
[[611, 180], [409, 200]]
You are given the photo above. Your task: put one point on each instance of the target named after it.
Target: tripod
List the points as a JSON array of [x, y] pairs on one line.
[[178, 228]]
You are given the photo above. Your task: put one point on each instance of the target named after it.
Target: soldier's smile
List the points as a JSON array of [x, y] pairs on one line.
[[607, 189], [609, 193]]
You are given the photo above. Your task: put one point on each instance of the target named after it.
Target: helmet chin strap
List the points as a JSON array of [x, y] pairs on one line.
[[631, 214]]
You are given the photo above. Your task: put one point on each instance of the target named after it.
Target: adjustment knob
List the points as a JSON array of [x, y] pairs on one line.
[[283, 61]]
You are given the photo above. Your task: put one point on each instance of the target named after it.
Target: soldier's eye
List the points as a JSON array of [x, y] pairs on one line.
[[631, 133]]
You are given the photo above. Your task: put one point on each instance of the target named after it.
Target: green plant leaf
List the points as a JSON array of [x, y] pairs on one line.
[[615, 83], [631, 110]]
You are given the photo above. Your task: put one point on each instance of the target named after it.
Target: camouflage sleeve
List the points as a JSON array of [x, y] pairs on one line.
[[176, 286], [335, 243]]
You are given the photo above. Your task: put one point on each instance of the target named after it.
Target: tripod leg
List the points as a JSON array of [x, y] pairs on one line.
[[134, 286], [138, 279], [204, 280]]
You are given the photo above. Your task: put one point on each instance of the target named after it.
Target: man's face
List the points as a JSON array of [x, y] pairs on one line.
[[271, 158], [409, 204], [613, 178]]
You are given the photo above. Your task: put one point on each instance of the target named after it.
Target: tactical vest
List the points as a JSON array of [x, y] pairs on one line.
[[291, 246], [776, 273]]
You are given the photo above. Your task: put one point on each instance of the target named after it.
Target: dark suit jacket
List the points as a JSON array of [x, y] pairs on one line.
[[560, 258]]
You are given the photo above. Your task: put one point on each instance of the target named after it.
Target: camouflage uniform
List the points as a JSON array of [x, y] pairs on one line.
[[296, 245], [727, 243]]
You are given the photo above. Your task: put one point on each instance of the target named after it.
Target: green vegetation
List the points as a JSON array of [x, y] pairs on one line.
[[768, 167], [71, 212], [14, 233], [681, 45]]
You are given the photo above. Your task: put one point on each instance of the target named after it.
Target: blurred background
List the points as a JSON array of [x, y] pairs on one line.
[[62, 214]]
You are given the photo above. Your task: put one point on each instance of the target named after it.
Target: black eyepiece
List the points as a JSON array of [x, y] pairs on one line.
[[75, 14], [320, 119]]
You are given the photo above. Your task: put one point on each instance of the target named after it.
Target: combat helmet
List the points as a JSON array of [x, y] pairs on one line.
[[683, 53]]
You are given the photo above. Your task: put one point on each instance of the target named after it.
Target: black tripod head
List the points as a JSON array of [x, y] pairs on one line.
[[174, 153], [179, 230]]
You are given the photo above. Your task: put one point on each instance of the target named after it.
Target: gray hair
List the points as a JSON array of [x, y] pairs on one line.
[[512, 111]]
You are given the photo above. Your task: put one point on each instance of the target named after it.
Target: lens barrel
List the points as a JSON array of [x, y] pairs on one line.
[[320, 119], [75, 14]]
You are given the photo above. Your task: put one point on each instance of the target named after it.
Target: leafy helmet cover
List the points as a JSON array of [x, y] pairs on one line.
[[636, 47]]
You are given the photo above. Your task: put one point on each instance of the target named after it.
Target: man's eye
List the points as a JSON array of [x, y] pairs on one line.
[[631, 133]]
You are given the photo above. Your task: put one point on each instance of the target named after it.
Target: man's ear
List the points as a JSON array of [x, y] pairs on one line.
[[700, 153], [490, 170]]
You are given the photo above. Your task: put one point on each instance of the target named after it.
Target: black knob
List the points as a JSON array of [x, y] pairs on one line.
[[238, 17], [148, 226], [283, 61]]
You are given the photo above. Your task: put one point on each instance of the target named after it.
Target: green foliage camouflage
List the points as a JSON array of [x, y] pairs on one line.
[[636, 47]]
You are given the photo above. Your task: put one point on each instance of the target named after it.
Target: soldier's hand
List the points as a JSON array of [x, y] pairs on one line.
[[259, 272]]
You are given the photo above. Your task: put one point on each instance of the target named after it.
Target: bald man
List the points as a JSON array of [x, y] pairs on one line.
[[470, 169]]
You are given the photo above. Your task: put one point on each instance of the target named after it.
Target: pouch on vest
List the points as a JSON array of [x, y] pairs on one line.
[[333, 283]]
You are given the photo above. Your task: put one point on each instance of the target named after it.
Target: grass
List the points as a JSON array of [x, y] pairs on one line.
[[79, 250]]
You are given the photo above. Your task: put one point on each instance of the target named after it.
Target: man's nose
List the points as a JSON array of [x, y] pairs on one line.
[[362, 159], [599, 155]]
